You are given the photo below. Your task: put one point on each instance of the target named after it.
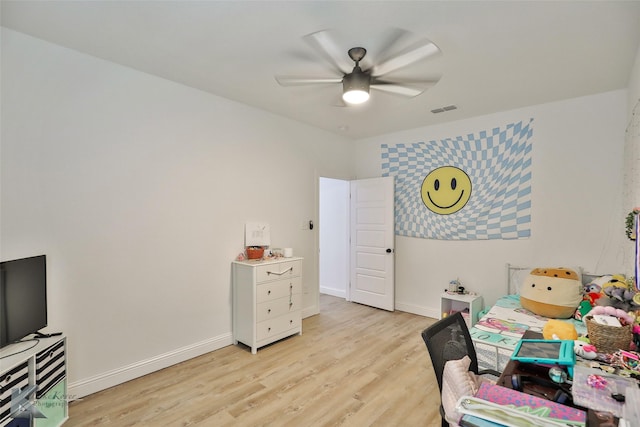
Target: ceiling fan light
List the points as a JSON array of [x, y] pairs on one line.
[[355, 96], [355, 87]]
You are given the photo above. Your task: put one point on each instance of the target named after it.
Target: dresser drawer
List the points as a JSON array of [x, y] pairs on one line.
[[50, 368], [278, 307], [279, 289], [278, 325], [279, 270], [16, 378]]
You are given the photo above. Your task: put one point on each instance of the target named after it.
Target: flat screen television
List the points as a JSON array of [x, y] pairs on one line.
[[23, 298]]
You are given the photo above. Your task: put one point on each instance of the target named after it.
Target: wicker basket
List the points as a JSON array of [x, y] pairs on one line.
[[254, 252], [608, 339]]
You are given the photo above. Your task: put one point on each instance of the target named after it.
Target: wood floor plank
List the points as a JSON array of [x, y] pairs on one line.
[[353, 366]]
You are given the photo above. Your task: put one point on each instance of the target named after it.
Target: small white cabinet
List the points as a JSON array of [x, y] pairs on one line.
[[470, 305], [33, 384], [267, 301]]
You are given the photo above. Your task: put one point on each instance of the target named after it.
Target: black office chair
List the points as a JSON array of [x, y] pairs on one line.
[[449, 339]]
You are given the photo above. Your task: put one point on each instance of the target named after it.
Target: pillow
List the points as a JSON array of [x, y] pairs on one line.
[[457, 381], [552, 292]]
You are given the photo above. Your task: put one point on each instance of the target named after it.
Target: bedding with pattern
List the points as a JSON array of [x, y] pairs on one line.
[[496, 334], [498, 331]]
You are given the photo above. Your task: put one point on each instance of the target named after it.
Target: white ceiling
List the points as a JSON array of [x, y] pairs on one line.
[[496, 55]]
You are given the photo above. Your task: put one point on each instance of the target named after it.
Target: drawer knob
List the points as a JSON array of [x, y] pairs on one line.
[[7, 378], [269, 311], [269, 329], [268, 292]]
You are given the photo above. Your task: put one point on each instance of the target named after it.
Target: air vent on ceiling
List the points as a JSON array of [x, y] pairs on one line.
[[443, 109]]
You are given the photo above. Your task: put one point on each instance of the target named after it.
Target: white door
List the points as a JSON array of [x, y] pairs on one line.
[[372, 242]]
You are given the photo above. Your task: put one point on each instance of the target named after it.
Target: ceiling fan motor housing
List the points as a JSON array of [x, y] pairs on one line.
[[355, 86]]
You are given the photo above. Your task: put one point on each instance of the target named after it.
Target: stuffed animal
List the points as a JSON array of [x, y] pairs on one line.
[[551, 292], [593, 290], [618, 294], [584, 350], [583, 308], [559, 330], [613, 280], [592, 287]]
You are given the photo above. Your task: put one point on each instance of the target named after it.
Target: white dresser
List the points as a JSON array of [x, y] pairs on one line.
[[267, 301]]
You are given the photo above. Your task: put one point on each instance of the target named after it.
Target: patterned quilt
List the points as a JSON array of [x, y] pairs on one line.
[[499, 330]]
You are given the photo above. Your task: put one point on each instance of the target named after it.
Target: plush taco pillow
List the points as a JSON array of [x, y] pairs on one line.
[[551, 292]]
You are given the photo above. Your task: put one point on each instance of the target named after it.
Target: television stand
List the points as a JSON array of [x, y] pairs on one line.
[[35, 373]]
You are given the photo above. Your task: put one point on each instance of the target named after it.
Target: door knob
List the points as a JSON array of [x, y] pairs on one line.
[[389, 250]]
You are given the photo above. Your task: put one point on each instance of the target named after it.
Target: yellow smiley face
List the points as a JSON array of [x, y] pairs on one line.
[[446, 190]]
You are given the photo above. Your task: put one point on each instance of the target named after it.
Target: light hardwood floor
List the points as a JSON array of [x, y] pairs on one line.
[[352, 366]]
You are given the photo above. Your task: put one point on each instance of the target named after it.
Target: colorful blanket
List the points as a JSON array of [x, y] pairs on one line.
[[513, 408], [496, 334]]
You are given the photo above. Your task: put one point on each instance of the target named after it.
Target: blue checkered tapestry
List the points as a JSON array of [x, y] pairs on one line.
[[472, 187]]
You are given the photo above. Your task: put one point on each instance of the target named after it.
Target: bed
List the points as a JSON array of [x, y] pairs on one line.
[[499, 329]]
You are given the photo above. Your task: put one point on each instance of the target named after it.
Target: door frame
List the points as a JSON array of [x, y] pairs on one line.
[[338, 193], [318, 176]]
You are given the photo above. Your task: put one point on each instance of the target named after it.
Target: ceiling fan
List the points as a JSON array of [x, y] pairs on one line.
[[356, 82]]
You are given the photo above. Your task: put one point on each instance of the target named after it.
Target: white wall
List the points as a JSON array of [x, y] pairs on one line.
[[137, 189], [334, 236], [634, 86], [631, 197], [577, 215], [632, 141]]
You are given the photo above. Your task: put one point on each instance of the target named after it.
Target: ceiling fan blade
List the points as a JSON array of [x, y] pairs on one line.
[[421, 50], [425, 83], [322, 42], [302, 81], [392, 38], [398, 90], [404, 87]]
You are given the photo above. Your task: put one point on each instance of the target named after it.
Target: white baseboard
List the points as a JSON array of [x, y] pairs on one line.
[[333, 292], [87, 386], [408, 308], [422, 311]]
